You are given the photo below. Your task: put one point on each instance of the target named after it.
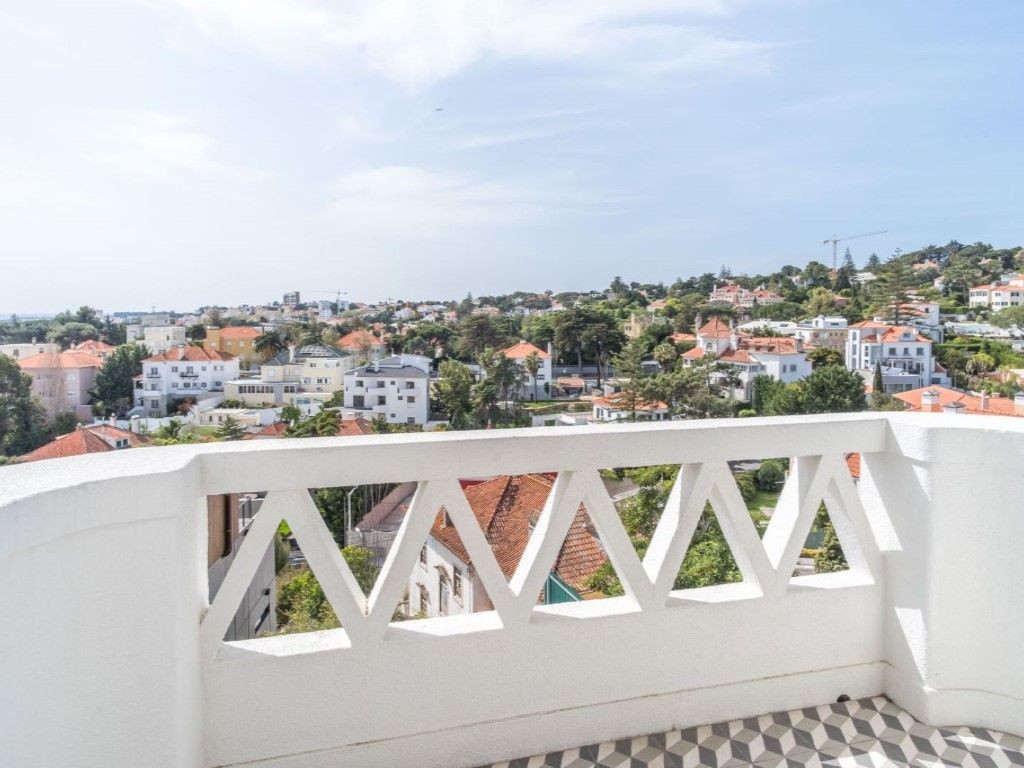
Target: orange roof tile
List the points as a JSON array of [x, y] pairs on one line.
[[507, 508], [352, 427], [66, 359], [618, 401], [357, 339], [92, 346], [240, 332], [189, 353], [715, 328], [996, 406], [693, 354], [84, 440], [853, 464], [522, 349], [680, 337], [775, 345]]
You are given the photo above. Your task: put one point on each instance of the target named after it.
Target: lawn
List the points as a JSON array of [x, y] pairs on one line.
[[763, 499]]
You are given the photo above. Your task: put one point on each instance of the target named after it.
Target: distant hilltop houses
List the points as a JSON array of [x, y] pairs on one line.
[[942, 319]]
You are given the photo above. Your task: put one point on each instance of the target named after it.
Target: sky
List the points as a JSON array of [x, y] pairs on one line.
[[180, 153]]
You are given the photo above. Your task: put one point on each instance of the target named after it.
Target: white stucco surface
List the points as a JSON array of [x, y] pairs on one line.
[[106, 658]]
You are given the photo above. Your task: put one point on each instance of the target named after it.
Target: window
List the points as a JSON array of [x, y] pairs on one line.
[[424, 600], [358, 401], [410, 385], [456, 582], [380, 384], [382, 400], [423, 556], [920, 351], [892, 350], [174, 369], [410, 420], [410, 399]]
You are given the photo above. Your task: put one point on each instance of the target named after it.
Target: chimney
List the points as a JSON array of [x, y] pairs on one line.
[[698, 322], [930, 401], [376, 364], [955, 407], [291, 353], [112, 420], [1018, 404], [551, 350], [984, 401]]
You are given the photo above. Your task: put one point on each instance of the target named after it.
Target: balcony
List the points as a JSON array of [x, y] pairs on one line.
[[113, 656]]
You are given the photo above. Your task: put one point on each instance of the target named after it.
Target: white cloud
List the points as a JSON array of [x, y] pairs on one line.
[[158, 146], [412, 202], [417, 42]]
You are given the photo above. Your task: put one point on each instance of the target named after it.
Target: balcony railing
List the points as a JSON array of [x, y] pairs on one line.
[[112, 655]]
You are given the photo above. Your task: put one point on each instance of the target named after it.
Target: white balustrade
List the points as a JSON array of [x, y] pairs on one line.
[[112, 655]]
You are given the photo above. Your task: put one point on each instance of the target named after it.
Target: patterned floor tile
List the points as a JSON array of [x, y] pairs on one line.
[[864, 733]]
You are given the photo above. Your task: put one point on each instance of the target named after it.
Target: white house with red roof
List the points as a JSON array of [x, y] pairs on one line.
[[180, 372], [533, 388], [1008, 293], [780, 357], [94, 347], [738, 296], [906, 356]]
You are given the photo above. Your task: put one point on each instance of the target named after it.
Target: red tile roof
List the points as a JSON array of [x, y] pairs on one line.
[[277, 429], [680, 337], [354, 340], [240, 332], [352, 427], [694, 354], [92, 346], [84, 440], [774, 345], [715, 328], [853, 464], [522, 349], [507, 508], [996, 406], [731, 355], [189, 353], [895, 332], [66, 359]]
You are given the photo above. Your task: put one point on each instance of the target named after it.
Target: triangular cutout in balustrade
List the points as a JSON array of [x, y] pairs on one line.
[[822, 551], [315, 585], [820, 500], [706, 538]]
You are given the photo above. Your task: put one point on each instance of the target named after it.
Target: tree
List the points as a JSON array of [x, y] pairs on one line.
[[770, 474], [230, 429], [666, 355], [820, 301], [877, 380], [64, 423], [629, 364], [873, 264], [271, 343], [532, 365], [830, 558], [980, 363], [889, 289], [820, 356], [114, 388], [196, 332], [323, 424], [454, 392], [291, 414], [480, 332], [22, 422], [70, 333], [833, 389]]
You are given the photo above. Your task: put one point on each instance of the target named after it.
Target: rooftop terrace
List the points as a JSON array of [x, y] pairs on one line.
[[113, 654]]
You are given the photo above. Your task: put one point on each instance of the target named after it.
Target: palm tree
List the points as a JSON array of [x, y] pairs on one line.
[[271, 343], [532, 364]]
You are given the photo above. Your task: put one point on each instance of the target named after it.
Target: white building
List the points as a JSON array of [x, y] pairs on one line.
[[780, 357], [534, 388], [905, 355], [739, 296], [187, 371], [314, 370], [397, 388], [160, 338], [1009, 293], [618, 407], [27, 349]]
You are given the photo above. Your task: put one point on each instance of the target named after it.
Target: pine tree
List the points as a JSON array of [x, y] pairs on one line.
[[831, 557]]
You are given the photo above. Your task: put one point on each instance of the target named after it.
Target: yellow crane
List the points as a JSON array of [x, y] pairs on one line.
[[836, 240]]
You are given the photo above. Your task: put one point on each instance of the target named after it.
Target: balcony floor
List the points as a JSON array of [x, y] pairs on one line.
[[867, 732]]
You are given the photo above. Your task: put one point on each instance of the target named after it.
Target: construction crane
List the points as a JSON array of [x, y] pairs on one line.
[[836, 240]]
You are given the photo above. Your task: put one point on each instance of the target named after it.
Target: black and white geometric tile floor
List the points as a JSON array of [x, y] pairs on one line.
[[870, 732]]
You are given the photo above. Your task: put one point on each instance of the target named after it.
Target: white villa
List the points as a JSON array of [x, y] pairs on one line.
[[397, 388]]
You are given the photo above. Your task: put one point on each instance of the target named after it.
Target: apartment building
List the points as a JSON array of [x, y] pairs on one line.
[[905, 356], [1000, 295], [237, 340], [161, 338], [314, 370], [62, 381], [27, 349], [180, 372], [397, 388], [739, 296]]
